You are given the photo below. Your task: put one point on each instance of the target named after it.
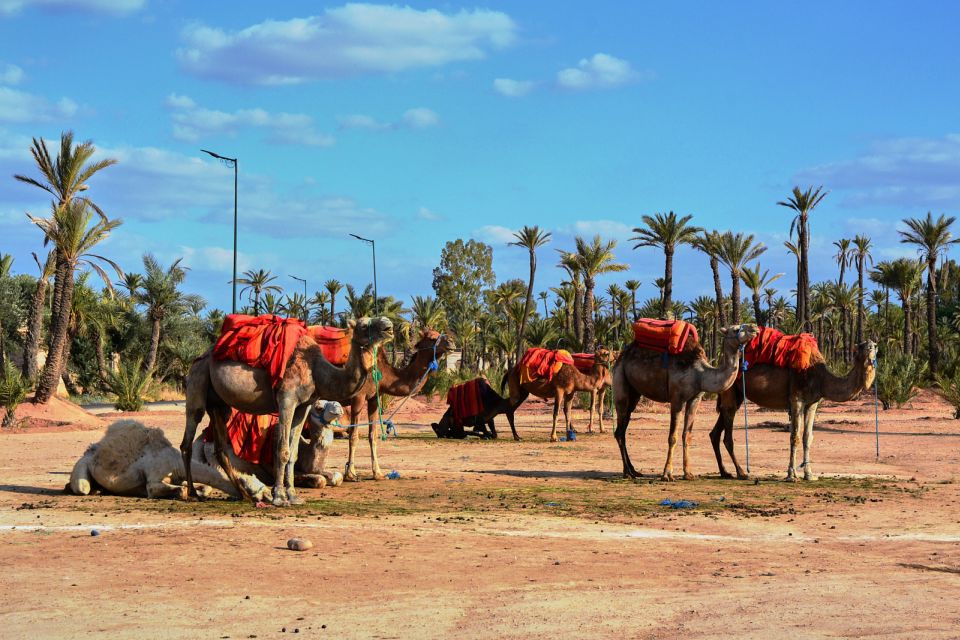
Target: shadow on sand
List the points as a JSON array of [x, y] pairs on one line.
[[538, 473]]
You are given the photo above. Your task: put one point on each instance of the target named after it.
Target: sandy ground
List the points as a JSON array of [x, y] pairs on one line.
[[499, 539]]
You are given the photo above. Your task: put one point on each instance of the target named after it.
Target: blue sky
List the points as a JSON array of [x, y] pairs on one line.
[[420, 123]]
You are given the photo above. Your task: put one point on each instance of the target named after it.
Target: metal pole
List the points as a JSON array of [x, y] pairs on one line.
[[376, 300], [746, 423], [304, 281], [876, 408], [235, 171]]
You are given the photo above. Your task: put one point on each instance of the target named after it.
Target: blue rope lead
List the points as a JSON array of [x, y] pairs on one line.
[[746, 422]]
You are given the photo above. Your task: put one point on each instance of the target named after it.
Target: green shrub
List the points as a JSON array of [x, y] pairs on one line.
[[129, 383], [950, 388], [898, 379], [13, 389]]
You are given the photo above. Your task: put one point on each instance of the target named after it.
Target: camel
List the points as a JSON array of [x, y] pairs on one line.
[[395, 382], [214, 386], [313, 449], [678, 379], [567, 381], [133, 460], [799, 393], [482, 424]]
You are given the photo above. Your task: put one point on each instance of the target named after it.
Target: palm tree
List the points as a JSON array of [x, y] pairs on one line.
[[665, 231], [932, 237], [428, 313], [803, 203], [256, 283], [361, 304], [882, 274], [160, 294], [334, 287], [757, 282], [843, 256], [295, 306], [565, 300], [844, 299], [38, 303], [860, 254], [70, 231], [904, 276], [595, 258], [570, 263], [92, 316], [633, 286], [708, 242], [543, 295], [736, 250], [530, 238], [320, 300]]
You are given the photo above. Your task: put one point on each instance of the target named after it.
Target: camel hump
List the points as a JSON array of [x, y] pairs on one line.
[[670, 336], [124, 442]]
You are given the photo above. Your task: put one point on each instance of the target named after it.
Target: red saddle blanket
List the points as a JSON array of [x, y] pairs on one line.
[[466, 400], [251, 436], [771, 346], [334, 343], [265, 342], [538, 363], [584, 362], [670, 336]]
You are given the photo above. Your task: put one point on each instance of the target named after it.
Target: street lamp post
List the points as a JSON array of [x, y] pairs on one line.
[[373, 246], [231, 162], [304, 296]]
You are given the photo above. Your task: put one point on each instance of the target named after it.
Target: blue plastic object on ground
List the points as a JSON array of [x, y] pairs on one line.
[[678, 504], [393, 475], [571, 435]]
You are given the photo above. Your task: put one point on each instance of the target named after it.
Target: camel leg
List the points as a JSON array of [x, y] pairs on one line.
[[796, 416], [287, 406], [81, 481], [593, 405], [626, 402], [600, 398], [289, 472], [728, 406], [809, 418], [350, 469], [372, 415], [197, 387], [689, 415], [219, 414], [567, 401], [162, 489], [557, 399], [512, 411], [671, 441]]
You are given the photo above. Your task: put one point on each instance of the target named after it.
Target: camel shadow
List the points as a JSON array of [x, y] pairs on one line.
[[36, 491], [538, 473]]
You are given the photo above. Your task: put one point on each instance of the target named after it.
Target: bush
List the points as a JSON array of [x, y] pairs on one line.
[[950, 388], [13, 389], [129, 383], [898, 379]]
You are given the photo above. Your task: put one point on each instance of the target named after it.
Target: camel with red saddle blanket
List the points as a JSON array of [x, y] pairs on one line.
[[667, 364], [277, 368], [552, 374], [788, 372]]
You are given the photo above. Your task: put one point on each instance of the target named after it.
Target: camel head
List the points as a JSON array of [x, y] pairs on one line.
[[739, 334], [430, 340], [368, 334], [866, 357]]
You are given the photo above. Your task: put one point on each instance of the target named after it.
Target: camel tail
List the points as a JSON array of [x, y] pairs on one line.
[[81, 482], [503, 381]]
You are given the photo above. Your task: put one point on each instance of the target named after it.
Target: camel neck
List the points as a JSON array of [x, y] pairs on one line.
[[720, 378], [844, 388], [402, 381]]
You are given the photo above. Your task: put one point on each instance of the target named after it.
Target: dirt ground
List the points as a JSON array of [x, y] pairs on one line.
[[503, 539]]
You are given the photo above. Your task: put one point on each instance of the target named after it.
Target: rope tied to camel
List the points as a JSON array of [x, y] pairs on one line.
[[746, 423], [876, 406]]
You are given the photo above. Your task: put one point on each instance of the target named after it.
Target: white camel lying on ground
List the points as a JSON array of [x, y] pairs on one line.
[[134, 460], [309, 470]]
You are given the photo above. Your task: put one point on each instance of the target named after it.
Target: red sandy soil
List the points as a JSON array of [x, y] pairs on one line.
[[494, 539], [56, 415]]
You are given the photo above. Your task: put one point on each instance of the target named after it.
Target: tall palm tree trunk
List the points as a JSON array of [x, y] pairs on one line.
[[34, 328], [666, 310], [528, 305], [59, 323], [578, 313], [803, 293], [932, 341], [735, 298], [718, 289], [151, 360], [907, 335], [756, 311], [588, 320], [860, 313]]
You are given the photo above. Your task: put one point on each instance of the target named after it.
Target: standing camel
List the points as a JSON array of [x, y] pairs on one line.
[[799, 393], [395, 382], [678, 379], [567, 381], [214, 386]]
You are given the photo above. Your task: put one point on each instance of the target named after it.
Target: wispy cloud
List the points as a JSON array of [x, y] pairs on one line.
[[608, 229], [10, 74], [513, 88], [192, 122], [21, 107], [602, 71], [901, 172], [427, 214], [351, 40], [494, 234], [103, 7], [417, 118]]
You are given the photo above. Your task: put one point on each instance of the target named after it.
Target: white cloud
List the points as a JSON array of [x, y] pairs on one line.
[[191, 122], [22, 107], [420, 118], [608, 229], [219, 259], [494, 234], [351, 40], [900, 172], [107, 7], [512, 88], [426, 214], [10, 74], [602, 71]]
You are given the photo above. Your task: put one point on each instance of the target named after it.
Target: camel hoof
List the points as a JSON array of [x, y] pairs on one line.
[[810, 477], [279, 500], [690, 476], [349, 475], [743, 476], [379, 475], [726, 475], [667, 477], [517, 438], [790, 478], [295, 500], [554, 439], [334, 479]]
